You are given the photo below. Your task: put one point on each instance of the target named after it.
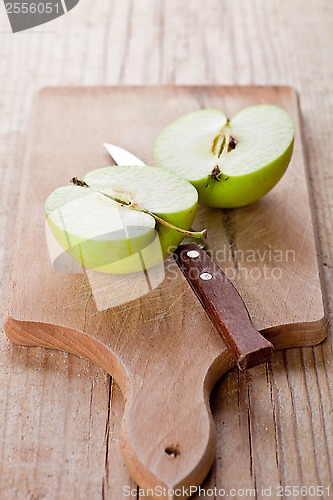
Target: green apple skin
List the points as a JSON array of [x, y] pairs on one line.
[[188, 147], [241, 190], [123, 254], [108, 257], [111, 257]]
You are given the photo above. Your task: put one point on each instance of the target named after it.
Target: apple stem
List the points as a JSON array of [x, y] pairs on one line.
[[192, 234], [79, 182], [133, 206]]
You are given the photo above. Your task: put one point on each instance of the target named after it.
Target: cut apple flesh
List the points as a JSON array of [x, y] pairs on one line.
[[231, 163], [108, 235]]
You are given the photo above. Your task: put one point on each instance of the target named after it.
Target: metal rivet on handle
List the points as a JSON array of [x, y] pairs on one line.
[[193, 254], [206, 276]]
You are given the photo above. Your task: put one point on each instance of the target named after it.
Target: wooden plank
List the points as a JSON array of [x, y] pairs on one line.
[[117, 338], [261, 246], [233, 43]]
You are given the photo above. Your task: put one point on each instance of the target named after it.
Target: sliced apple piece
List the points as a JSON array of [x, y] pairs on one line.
[[117, 215], [230, 162]]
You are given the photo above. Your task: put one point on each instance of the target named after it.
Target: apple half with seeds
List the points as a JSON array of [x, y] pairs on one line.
[[122, 219], [231, 163]]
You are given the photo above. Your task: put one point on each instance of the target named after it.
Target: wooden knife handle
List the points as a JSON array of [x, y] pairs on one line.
[[224, 306]]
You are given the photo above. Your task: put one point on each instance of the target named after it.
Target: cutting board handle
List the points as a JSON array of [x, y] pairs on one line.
[[168, 433], [166, 444]]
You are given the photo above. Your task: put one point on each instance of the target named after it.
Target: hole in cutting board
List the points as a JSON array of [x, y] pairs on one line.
[[172, 451]]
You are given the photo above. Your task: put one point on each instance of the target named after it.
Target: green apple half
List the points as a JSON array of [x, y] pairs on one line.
[[121, 219], [230, 162]]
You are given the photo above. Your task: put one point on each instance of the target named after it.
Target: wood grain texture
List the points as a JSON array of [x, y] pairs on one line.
[[161, 348], [123, 41]]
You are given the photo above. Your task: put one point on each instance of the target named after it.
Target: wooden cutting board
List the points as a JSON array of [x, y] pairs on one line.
[[160, 347]]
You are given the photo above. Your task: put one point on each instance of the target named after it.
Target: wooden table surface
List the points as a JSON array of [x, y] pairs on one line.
[[60, 415]]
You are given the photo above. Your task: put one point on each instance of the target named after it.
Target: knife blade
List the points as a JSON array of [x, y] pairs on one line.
[[121, 156], [217, 294]]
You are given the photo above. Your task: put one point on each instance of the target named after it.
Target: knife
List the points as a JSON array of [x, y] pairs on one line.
[[218, 296]]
